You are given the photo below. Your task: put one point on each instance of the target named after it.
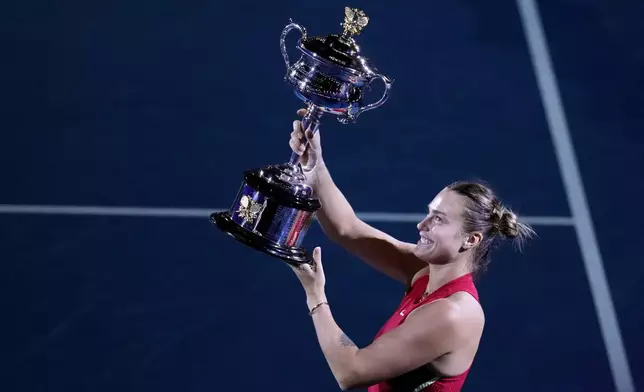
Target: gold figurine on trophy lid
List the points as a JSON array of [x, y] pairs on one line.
[[354, 21]]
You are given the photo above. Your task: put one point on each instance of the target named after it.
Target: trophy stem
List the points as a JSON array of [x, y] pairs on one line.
[[311, 119]]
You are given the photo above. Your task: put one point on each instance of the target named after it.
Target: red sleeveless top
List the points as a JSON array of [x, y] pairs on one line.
[[424, 379]]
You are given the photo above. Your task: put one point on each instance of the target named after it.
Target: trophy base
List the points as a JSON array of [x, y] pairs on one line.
[[272, 213], [291, 255]]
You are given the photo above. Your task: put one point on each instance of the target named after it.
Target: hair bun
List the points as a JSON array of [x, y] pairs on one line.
[[505, 222]]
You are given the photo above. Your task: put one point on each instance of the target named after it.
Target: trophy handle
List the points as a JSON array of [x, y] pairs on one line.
[[385, 95], [285, 32]]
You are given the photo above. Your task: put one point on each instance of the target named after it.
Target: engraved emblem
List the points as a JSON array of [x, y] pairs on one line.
[[249, 209], [354, 21]]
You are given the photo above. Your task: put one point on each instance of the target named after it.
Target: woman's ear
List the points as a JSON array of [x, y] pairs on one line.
[[472, 240]]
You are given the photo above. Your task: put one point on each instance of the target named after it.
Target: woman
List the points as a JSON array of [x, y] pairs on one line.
[[430, 341]]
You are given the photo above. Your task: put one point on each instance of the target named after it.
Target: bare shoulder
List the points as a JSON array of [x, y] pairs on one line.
[[460, 314], [468, 312]]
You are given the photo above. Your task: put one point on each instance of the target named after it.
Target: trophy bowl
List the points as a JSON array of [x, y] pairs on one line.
[[275, 206], [332, 74]]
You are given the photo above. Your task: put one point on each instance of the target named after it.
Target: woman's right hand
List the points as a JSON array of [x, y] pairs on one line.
[[309, 149]]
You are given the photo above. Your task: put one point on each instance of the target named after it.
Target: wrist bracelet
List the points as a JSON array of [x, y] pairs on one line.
[[317, 306]]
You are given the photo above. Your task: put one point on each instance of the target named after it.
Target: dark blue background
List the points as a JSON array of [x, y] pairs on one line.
[[160, 103]]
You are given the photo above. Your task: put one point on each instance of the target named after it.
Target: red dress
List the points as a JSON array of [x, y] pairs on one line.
[[424, 379]]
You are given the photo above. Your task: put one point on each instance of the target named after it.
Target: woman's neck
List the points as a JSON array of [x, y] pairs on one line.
[[440, 274]]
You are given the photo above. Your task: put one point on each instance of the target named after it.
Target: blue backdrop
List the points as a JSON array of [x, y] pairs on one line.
[[164, 104]]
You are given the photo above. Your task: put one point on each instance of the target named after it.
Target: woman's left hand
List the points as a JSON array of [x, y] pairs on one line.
[[312, 276]]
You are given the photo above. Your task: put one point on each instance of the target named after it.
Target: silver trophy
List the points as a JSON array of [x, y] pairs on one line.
[[274, 206]]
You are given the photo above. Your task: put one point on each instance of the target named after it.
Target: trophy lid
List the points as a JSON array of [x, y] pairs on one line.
[[342, 49]]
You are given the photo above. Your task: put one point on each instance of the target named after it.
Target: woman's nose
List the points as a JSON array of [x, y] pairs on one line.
[[422, 224]]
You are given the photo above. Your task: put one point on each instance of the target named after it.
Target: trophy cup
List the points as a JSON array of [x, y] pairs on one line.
[[274, 206]]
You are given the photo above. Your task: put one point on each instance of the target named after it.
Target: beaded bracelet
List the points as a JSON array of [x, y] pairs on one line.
[[317, 306]]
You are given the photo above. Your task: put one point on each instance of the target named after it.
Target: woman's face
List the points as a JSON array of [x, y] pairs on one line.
[[441, 237]]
